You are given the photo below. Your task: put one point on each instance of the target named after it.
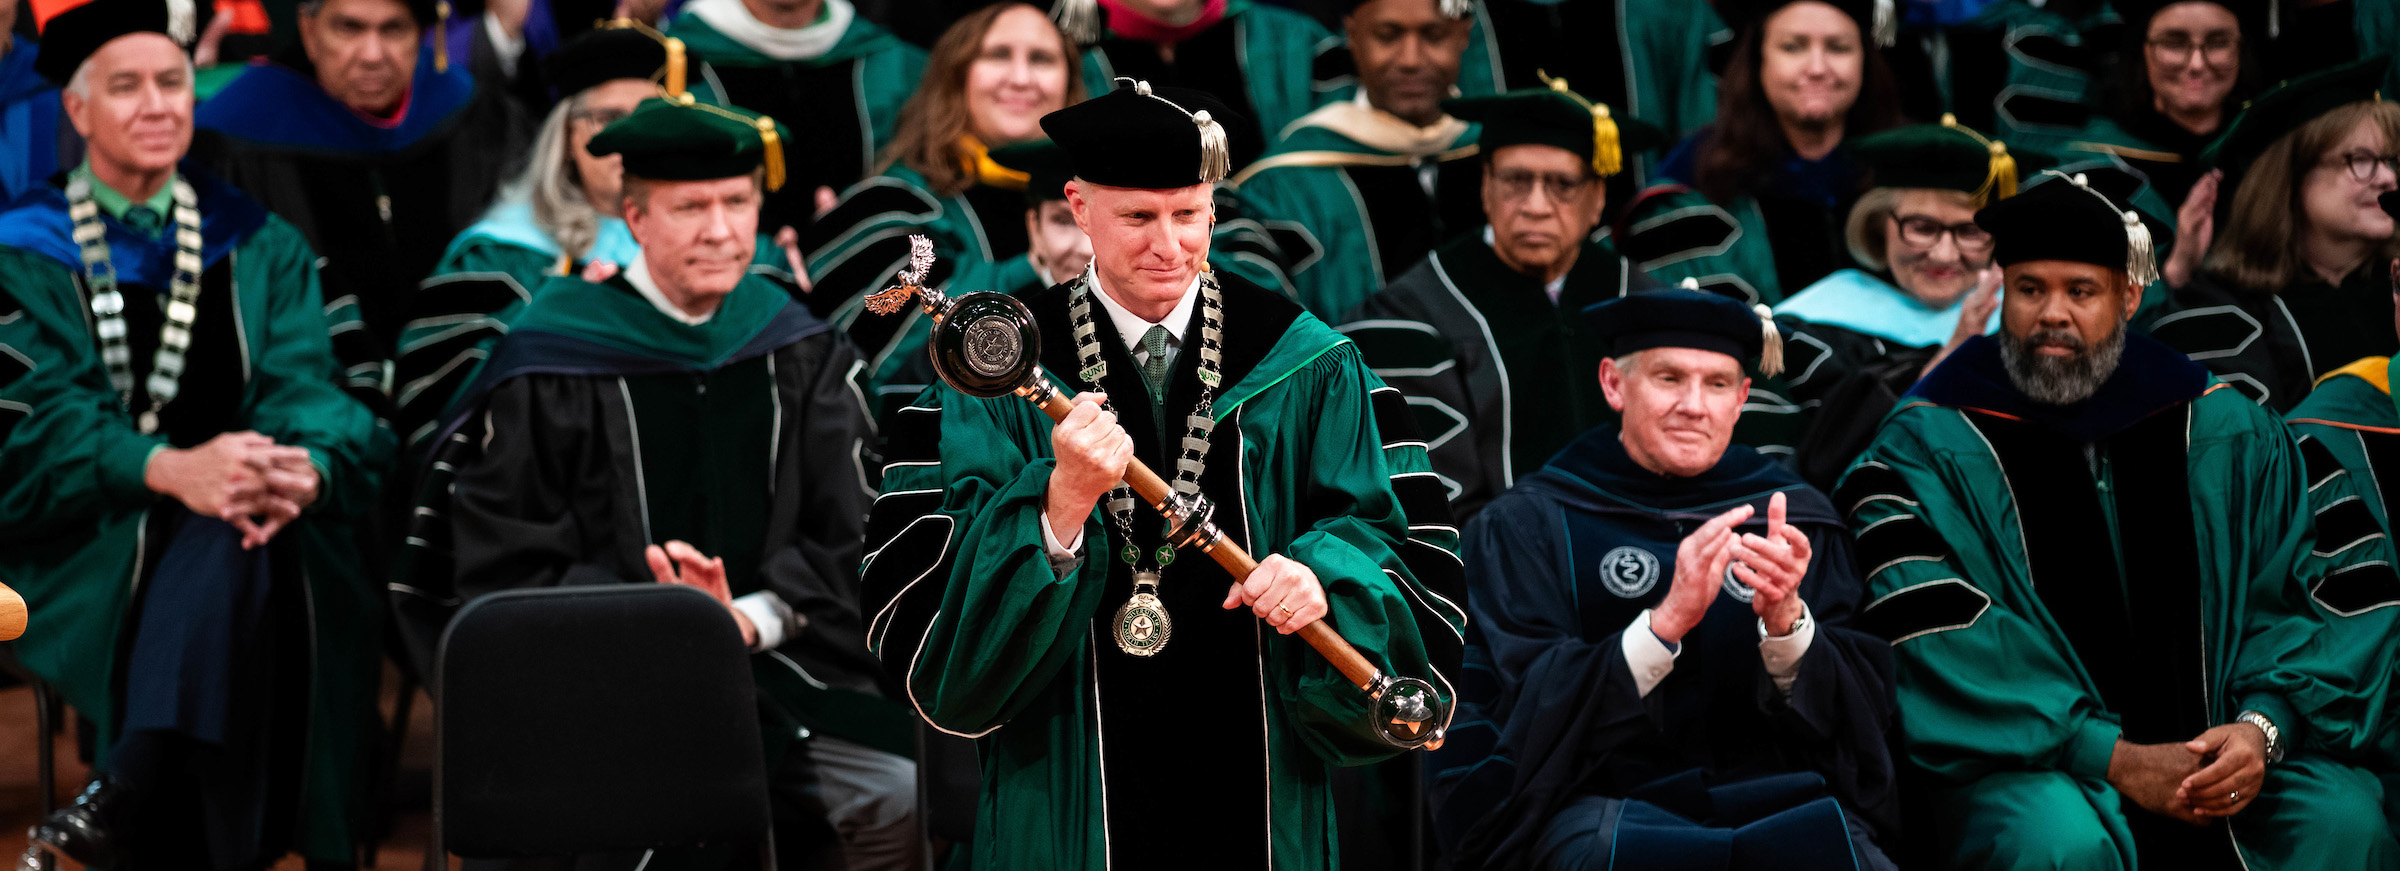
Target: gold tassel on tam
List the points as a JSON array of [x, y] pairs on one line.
[[766, 135], [1079, 20], [1770, 353], [1608, 155], [441, 40], [2000, 178], [675, 66]]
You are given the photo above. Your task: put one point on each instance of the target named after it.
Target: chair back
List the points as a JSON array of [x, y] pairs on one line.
[[595, 718]]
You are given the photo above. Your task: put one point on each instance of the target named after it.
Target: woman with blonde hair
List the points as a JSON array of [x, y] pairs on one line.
[[988, 82], [2294, 285]]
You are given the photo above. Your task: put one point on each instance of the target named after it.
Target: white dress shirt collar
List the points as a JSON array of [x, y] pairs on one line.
[[637, 274], [1131, 327]]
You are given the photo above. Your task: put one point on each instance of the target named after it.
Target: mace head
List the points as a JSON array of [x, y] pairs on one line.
[[912, 281]]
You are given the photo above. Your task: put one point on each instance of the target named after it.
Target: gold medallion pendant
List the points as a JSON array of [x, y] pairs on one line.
[[1142, 624]]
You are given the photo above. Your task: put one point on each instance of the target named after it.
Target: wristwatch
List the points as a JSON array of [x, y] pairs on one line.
[[1798, 623], [2274, 735]]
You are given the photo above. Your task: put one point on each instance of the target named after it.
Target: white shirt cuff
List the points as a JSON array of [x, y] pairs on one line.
[[1782, 653], [1064, 558], [1646, 656], [768, 614], [504, 49]]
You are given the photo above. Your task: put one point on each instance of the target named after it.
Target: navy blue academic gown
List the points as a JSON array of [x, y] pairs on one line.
[[1552, 739]]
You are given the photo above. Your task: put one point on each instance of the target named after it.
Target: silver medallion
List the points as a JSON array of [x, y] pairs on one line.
[[992, 345], [1142, 624]]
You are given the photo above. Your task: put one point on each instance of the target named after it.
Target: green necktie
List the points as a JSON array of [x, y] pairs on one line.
[[1154, 370], [143, 220]]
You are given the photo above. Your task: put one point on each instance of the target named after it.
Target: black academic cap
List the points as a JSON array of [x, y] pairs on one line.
[[1138, 136], [620, 49], [2290, 105], [680, 139], [1878, 20], [1948, 156], [2067, 217], [1456, 9], [1557, 117], [1687, 318], [2250, 15], [70, 37], [1045, 162]]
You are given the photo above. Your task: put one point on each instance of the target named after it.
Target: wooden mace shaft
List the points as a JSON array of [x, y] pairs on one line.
[[1154, 491], [12, 614]]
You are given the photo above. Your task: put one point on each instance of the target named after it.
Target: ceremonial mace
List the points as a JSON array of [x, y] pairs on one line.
[[986, 344], [12, 614]]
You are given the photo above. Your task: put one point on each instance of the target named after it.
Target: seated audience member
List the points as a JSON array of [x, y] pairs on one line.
[[989, 81], [1479, 333], [1660, 670], [621, 433], [2184, 71], [379, 155], [2048, 517], [1056, 249], [176, 453], [1254, 57], [1752, 204], [29, 113], [1630, 54], [815, 62], [1378, 181], [2295, 284], [2348, 432], [1927, 285], [565, 201]]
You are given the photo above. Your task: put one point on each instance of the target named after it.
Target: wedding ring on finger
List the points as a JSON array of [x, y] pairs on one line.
[[1287, 610]]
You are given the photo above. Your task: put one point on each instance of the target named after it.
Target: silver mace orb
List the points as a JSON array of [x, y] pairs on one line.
[[986, 344]]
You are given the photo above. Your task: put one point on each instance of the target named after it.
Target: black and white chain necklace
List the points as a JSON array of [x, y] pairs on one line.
[[108, 304]]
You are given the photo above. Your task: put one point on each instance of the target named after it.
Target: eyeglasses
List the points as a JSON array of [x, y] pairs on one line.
[[600, 117], [2216, 51], [1922, 232], [2363, 165], [1517, 184]]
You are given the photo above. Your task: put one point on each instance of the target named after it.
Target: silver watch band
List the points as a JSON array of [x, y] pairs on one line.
[[2274, 735]]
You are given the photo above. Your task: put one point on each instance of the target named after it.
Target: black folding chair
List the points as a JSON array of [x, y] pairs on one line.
[[595, 719]]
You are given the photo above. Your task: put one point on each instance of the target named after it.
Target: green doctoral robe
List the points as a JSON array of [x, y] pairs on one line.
[[1371, 210], [2039, 570], [2349, 436], [1259, 60], [1498, 376], [76, 517], [848, 99], [1092, 757]]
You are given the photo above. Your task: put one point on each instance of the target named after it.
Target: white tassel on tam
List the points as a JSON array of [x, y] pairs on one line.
[[2141, 257], [1770, 349], [1216, 155], [1886, 24], [1457, 9], [1078, 19], [183, 22]]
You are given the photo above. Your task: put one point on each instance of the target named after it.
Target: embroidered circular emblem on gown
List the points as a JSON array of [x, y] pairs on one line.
[[1734, 587], [1629, 572]]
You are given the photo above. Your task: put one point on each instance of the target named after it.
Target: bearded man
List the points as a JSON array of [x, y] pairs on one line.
[[2045, 522]]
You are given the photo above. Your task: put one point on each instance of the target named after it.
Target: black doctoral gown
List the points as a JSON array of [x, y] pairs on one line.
[[2274, 346], [1558, 568], [380, 200]]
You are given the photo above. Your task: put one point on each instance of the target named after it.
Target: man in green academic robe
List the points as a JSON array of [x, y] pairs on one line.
[[818, 64], [1482, 334], [684, 420], [177, 465], [1377, 181], [2045, 521], [1021, 605]]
